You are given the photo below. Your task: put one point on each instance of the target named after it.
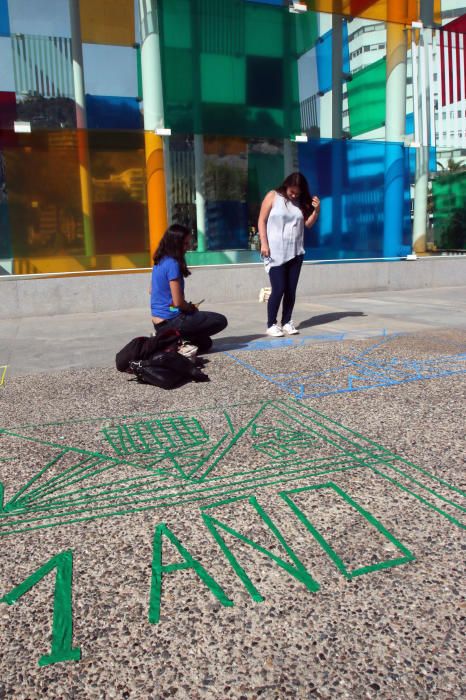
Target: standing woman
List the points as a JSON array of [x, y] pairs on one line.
[[168, 304], [284, 214]]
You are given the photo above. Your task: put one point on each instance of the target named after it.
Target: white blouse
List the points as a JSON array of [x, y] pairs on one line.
[[285, 232]]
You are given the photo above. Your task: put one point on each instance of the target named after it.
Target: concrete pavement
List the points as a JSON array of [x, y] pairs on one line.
[[293, 528], [50, 343]]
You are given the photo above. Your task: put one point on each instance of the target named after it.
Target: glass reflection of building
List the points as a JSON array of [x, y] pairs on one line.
[[251, 90]]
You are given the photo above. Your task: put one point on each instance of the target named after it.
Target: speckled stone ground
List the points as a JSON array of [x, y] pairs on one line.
[[395, 632]]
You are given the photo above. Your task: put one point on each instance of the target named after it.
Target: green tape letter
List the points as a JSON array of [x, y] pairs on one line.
[[298, 570], [62, 628], [189, 563]]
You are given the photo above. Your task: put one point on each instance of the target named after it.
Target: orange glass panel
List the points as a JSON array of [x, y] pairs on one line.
[[401, 11], [107, 22], [117, 165], [44, 194], [224, 146], [45, 201]]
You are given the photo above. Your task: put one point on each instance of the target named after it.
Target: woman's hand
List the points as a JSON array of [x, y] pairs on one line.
[[266, 208], [310, 221], [265, 250]]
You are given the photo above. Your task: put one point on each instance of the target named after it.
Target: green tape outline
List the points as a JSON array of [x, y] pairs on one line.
[[386, 564]]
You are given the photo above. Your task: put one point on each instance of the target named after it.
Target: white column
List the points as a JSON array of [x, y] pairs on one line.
[[151, 66], [422, 152], [81, 124], [422, 100], [395, 121], [288, 160], [337, 76], [78, 69], [151, 70], [200, 191]]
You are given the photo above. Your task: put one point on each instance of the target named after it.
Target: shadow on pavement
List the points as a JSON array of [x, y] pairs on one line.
[[235, 342], [328, 318]]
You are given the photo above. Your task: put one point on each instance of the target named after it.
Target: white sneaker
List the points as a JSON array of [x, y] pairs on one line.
[[275, 331], [290, 329]]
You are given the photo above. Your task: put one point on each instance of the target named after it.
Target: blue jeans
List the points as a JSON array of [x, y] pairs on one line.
[[284, 281], [196, 327]]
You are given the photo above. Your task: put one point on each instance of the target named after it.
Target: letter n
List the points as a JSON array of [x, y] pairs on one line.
[[297, 570]]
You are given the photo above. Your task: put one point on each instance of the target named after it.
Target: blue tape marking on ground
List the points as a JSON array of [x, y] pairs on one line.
[[274, 343], [361, 373]]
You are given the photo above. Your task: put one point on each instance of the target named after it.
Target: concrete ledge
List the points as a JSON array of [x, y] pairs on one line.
[[45, 296]]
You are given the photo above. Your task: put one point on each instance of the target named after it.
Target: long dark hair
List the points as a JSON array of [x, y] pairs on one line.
[[172, 246], [305, 199]]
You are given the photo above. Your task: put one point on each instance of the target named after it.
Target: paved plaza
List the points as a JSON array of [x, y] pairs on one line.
[[293, 528]]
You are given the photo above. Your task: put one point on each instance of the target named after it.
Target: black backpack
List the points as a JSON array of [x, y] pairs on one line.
[[157, 361], [167, 370], [143, 348]]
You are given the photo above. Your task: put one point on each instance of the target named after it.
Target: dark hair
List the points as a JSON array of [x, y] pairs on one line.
[[171, 246], [305, 199]]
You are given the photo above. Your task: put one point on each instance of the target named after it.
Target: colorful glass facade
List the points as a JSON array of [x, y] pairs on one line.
[[369, 106]]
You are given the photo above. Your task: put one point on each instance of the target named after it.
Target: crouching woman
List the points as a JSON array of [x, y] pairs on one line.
[[168, 304]]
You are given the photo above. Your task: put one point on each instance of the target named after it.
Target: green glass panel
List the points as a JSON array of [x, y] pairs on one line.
[[176, 23], [265, 172], [264, 31], [449, 196], [266, 122], [223, 79], [220, 25], [366, 98], [306, 31], [179, 83], [225, 119], [240, 75]]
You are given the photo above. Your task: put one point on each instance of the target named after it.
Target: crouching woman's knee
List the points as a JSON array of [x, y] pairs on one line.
[[220, 322]]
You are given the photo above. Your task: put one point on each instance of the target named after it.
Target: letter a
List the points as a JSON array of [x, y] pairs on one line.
[[189, 563]]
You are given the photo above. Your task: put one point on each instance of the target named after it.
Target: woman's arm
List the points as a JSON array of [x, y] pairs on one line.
[[262, 223], [178, 297], [310, 221]]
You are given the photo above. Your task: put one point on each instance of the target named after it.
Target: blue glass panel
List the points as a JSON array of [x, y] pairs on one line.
[[324, 58], [7, 79], [4, 21], [113, 112], [227, 225], [269, 2], [409, 128], [349, 177], [46, 17], [110, 70], [411, 155], [5, 238], [412, 151]]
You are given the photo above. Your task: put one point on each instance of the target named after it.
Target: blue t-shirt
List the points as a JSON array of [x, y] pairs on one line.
[[161, 297]]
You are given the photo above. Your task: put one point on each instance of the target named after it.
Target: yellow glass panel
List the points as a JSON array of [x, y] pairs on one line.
[[107, 22]]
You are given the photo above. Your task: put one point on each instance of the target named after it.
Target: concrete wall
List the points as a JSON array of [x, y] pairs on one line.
[[39, 296]]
